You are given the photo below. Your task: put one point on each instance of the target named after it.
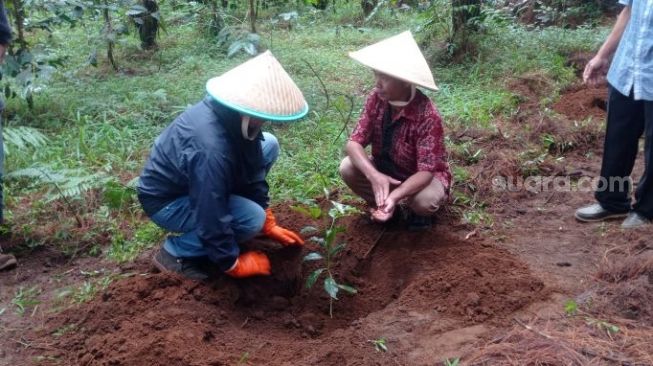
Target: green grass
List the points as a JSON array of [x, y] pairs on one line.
[[26, 298], [98, 121]]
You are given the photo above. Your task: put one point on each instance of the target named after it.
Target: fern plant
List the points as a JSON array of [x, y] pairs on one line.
[[22, 138], [62, 183]]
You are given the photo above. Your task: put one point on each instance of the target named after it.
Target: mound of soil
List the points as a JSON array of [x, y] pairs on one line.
[[582, 102], [162, 319]]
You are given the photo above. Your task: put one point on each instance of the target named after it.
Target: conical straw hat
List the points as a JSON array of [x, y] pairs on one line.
[[260, 88], [400, 57]]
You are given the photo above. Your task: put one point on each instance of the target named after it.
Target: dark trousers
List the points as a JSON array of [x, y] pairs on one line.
[[628, 119]]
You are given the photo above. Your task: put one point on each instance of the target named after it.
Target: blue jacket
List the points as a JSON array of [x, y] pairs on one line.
[[5, 39], [203, 155], [5, 29]]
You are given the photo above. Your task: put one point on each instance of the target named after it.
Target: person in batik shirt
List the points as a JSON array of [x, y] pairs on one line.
[[408, 164]]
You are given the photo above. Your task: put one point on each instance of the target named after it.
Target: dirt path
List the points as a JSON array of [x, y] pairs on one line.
[[434, 295]]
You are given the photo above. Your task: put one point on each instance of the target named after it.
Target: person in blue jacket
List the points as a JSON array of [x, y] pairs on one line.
[[205, 178], [7, 261]]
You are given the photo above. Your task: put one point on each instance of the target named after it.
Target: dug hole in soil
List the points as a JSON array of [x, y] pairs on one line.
[[412, 288]]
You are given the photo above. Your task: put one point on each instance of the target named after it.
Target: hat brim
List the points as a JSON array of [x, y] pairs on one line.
[[261, 115], [399, 57], [390, 73]]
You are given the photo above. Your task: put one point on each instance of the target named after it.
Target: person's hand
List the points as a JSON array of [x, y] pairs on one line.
[[381, 187], [385, 212], [250, 264], [278, 233], [595, 70]]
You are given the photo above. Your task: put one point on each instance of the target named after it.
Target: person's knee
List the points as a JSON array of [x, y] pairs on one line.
[[428, 201], [346, 169], [270, 147], [256, 220]]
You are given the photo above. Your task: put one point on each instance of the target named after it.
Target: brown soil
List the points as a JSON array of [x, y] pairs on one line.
[[580, 103], [453, 291], [163, 319]]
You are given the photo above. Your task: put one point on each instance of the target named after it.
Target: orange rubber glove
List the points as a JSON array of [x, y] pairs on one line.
[[250, 264], [276, 232]]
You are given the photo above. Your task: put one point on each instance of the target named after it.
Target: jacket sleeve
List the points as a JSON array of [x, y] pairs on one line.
[[5, 29], [259, 193], [208, 177]]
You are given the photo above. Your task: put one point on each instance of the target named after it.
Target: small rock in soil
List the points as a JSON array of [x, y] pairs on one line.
[[473, 299], [279, 303]]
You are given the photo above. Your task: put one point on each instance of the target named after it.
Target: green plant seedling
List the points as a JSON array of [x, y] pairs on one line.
[[609, 328], [25, 298], [329, 249], [64, 330], [571, 307], [379, 344], [244, 359], [452, 362], [312, 211]]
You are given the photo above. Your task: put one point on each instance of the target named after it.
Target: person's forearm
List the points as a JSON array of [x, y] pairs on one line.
[[611, 43], [359, 158], [412, 185]]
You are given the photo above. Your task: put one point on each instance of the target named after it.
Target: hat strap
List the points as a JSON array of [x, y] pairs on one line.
[[244, 128]]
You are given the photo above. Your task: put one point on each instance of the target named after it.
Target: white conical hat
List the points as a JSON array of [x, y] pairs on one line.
[[260, 88], [400, 57]]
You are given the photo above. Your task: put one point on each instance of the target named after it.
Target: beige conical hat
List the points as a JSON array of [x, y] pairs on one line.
[[261, 88], [400, 57]]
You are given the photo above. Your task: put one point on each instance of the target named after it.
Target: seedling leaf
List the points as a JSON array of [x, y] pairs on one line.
[[335, 250], [313, 256], [379, 344], [308, 230], [571, 307], [347, 288], [331, 234], [314, 212], [320, 241], [312, 278], [331, 287]]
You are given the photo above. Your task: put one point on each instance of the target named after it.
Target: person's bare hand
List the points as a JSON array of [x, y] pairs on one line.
[[381, 186], [385, 212], [595, 70]]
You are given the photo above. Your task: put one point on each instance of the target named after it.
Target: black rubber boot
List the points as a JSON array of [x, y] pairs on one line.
[[187, 267], [7, 261]]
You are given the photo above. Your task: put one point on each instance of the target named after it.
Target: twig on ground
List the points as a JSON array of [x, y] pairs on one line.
[[324, 88], [583, 351], [376, 242]]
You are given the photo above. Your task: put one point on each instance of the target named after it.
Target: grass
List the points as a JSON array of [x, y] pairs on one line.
[[26, 298], [101, 122]]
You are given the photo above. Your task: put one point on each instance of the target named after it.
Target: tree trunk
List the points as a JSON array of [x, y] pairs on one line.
[[19, 17], [148, 27], [462, 11], [252, 16], [108, 30], [368, 6], [217, 22]]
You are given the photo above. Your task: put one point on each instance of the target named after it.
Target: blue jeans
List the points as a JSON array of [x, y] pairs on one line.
[[248, 216]]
